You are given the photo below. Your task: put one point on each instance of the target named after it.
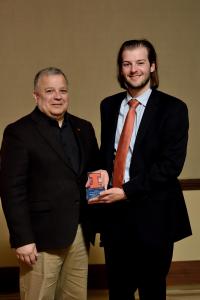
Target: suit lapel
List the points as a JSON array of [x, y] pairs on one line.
[[116, 110], [114, 114], [148, 116], [51, 139], [78, 135]]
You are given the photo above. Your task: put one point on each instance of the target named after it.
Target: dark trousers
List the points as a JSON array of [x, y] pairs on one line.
[[133, 265]]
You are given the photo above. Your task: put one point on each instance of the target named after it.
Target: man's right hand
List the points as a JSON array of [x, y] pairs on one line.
[[27, 254]]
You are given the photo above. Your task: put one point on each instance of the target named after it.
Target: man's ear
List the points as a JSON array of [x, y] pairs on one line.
[[153, 67], [35, 96]]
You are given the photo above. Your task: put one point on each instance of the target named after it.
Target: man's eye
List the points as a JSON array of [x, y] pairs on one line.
[[125, 64], [140, 63], [63, 91], [48, 91]]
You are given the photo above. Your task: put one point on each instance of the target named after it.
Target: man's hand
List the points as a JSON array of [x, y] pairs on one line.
[[109, 196], [27, 254]]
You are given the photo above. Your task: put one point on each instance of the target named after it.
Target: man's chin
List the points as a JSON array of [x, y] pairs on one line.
[[56, 115], [137, 85]]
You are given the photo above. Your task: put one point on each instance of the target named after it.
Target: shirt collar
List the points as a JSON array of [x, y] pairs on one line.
[[143, 99]]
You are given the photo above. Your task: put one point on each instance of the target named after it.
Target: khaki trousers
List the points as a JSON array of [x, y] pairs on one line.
[[58, 274]]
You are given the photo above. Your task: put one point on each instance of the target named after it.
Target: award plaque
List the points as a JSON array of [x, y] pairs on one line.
[[95, 185]]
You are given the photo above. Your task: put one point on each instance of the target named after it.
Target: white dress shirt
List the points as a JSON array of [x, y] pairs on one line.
[[143, 99]]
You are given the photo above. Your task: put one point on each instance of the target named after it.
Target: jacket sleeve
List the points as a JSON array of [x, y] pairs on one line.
[[14, 165]]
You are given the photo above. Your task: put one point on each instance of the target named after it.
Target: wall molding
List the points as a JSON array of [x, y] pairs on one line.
[[184, 272], [190, 184], [181, 272], [9, 279]]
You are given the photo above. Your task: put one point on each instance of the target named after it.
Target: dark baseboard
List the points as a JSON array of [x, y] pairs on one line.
[[190, 184], [184, 272], [9, 279], [181, 273]]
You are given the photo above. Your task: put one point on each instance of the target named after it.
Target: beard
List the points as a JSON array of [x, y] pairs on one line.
[[130, 85]]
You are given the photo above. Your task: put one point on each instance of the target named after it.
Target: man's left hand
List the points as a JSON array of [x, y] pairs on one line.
[[109, 196]]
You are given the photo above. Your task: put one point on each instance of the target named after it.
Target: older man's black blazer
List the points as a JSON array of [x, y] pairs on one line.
[[155, 210], [43, 198]]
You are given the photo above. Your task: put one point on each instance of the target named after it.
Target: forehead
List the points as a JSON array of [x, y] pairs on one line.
[[52, 80], [137, 53]]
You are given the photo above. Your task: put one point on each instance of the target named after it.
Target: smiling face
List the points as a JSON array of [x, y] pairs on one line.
[[136, 70], [51, 96]]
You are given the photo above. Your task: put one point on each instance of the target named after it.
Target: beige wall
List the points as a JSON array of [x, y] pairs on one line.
[[82, 38]]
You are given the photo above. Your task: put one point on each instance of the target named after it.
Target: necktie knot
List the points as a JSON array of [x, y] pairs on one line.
[[133, 103]]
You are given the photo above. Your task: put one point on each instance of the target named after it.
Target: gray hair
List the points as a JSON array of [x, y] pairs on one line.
[[48, 71]]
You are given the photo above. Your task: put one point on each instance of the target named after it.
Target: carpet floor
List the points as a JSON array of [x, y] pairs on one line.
[[191, 292]]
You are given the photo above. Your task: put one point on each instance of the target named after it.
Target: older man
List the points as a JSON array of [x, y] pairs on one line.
[[45, 157]]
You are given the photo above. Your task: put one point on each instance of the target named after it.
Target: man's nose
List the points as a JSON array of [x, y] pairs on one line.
[[133, 68], [57, 95]]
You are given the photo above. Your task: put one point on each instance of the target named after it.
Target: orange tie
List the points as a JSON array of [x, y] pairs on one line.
[[124, 142]]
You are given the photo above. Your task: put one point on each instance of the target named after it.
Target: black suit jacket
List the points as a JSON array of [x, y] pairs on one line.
[[155, 210], [42, 197]]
